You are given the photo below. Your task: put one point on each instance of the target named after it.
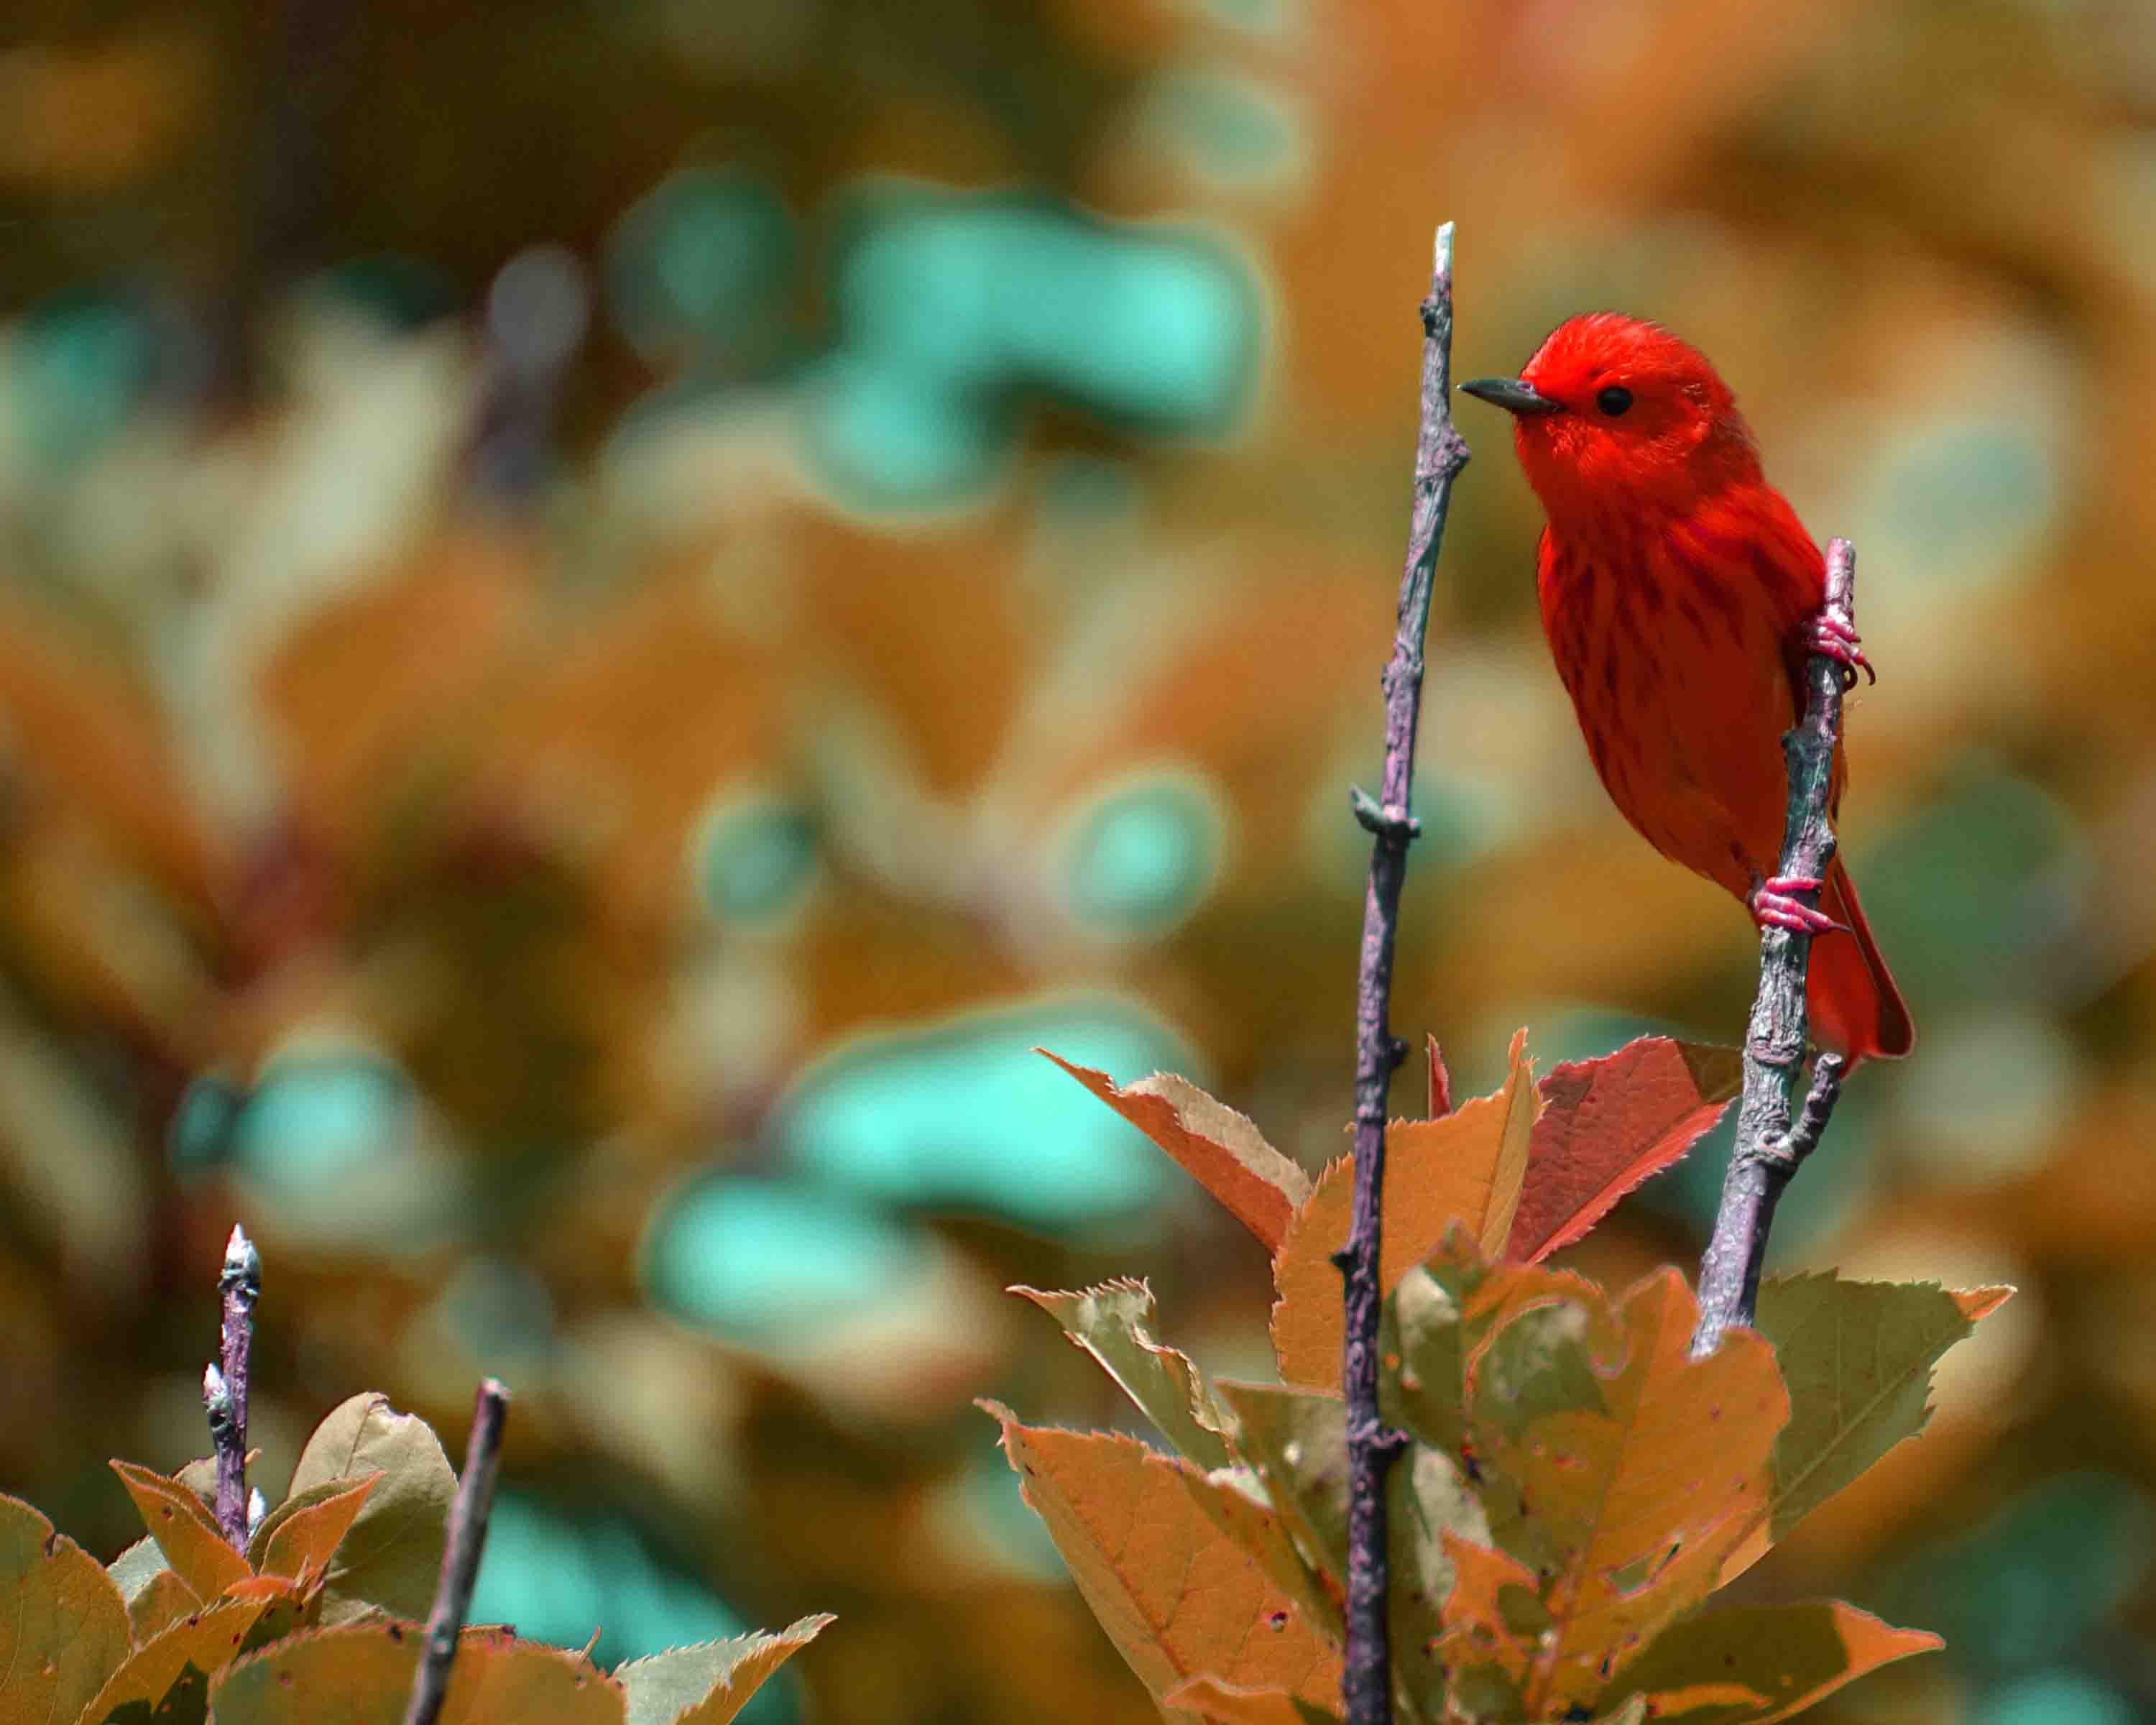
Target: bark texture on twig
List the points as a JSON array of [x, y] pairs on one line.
[[1768, 1151], [461, 1555], [1440, 454], [224, 1385]]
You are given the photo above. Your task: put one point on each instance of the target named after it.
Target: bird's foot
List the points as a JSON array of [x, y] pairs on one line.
[[1840, 642], [1773, 907]]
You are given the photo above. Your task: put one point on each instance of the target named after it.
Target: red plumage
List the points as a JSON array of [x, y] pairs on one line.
[[1678, 593]]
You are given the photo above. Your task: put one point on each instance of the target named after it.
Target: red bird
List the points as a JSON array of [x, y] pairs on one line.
[[1680, 596]]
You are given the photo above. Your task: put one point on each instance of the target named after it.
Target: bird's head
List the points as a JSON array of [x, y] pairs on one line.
[[1615, 413]]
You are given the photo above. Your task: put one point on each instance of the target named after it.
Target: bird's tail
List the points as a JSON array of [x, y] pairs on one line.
[[1853, 1004]]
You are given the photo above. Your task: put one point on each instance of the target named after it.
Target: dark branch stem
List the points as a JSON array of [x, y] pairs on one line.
[[224, 1385], [1372, 1448], [1769, 1151], [460, 1554]]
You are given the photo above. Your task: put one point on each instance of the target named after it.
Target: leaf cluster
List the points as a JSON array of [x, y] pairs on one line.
[[1574, 1487], [318, 1619]]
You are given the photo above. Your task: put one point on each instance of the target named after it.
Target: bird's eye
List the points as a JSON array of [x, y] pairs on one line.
[[1614, 400]]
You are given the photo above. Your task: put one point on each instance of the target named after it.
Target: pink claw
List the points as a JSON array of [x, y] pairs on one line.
[[1839, 642], [1773, 907]]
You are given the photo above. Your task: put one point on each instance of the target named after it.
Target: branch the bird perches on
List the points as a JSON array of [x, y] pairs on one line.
[[1440, 453], [1769, 1149]]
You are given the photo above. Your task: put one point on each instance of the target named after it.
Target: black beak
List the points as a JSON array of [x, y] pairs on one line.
[[1522, 400]]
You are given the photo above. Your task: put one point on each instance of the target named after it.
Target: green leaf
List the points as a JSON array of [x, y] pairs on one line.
[[1297, 1439], [1441, 1319], [155, 1595], [1113, 1323], [392, 1555], [1857, 1357], [1750, 1664], [63, 1623], [1618, 1473], [708, 1684]]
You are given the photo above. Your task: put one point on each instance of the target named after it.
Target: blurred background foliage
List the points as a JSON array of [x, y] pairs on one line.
[[610, 610]]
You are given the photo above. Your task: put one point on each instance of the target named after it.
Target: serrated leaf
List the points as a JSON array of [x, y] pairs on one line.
[[306, 1531], [183, 1530], [708, 1683], [63, 1623], [1465, 1168], [1297, 1439], [1616, 1468], [1113, 1323], [203, 1642], [393, 1554], [1752, 1665], [361, 1673], [1606, 1125], [1219, 1703], [1440, 1082], [1175, 1594], [1857, 1357], [1222, 1150], [1433, 1333]]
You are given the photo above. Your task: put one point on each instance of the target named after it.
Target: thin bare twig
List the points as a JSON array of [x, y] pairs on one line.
[[1768, 1151], [224, 1385], [1440, 452], [460, 1554]]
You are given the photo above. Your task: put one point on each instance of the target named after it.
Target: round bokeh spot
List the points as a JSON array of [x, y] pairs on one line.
[[1139, 857], [964, 1116], [703, 267], [755, 1259], [754, 856]]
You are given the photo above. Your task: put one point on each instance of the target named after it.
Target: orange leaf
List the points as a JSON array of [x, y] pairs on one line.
[[1467, 1166], [1483, 1625], [758, 1656], [1220, 1149], [164, 1599], [1219, 1703], [1756, 1664], [1606, 1125], [359, 1672], [183, 1531], [208, 1641], [1635, 1476], [63, 1624], [1440, 1083], [1979, 1303], [303, 1544], [1177, 1596]]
